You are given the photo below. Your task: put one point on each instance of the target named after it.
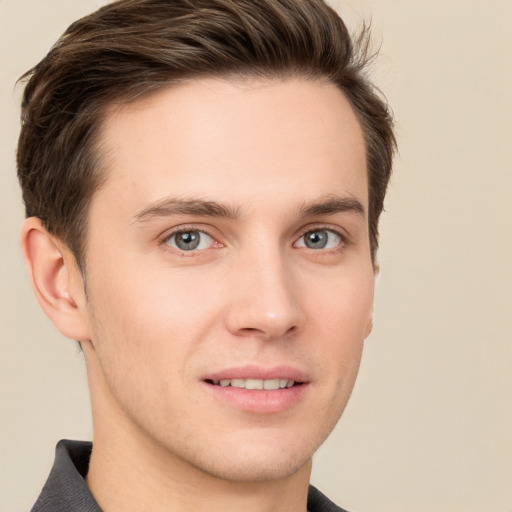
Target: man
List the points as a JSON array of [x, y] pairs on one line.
[[203, 181]]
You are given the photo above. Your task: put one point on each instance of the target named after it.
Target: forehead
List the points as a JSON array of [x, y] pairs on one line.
[[227, 139]]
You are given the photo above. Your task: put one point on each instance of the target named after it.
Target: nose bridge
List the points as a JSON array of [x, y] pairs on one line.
[[267, 298]]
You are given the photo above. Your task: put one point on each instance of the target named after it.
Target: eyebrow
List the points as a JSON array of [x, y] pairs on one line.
[[195, 207], [330, 205]]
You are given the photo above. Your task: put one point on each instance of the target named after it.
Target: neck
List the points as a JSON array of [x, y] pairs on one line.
[[129, 471]]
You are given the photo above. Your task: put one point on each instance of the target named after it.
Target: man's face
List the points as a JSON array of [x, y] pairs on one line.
[[229, 247]]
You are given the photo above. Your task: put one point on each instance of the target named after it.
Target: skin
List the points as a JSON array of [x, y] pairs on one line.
[[154, 320]]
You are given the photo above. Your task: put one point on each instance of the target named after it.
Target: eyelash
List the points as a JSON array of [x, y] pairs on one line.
[[169, 236], [343, 239]]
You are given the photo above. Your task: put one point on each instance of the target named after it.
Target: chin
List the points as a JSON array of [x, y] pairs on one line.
[[260, 459], [256, 469]]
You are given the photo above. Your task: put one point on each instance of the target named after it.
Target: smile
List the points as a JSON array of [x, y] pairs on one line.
[[255, 384], [258, 389]]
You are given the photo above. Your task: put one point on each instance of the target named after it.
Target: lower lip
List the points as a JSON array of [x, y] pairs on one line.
[[259, 401]]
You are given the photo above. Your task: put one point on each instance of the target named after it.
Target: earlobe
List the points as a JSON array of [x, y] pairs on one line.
[[55, 279]]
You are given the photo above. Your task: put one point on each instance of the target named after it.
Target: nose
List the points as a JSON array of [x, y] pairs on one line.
[[266, 297]]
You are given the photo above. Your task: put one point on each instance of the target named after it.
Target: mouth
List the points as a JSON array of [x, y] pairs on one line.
[[255, 384], [256, 389]]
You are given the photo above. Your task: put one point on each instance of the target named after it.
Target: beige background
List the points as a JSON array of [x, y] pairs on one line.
[[430, 423]]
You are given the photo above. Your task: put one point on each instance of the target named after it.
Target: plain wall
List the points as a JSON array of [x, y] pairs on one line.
[[429, 426]]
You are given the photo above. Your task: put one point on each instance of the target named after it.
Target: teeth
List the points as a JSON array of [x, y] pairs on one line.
[[268, 385], [271, 384], [253, 384]]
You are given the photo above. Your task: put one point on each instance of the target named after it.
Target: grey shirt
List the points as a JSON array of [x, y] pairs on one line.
[[66, 490]]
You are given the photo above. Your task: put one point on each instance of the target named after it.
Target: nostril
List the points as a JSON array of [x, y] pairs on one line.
[[268, 333]]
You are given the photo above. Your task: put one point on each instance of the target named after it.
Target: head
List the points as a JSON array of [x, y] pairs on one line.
[[216, 170]]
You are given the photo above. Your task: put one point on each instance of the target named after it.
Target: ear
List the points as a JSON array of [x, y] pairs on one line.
[[369, 327], [56, 279], [369, 324]]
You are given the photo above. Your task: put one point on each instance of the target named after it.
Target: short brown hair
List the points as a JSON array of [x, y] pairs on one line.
[[131, 48]]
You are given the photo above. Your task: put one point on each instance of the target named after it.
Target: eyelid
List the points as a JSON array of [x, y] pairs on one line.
[[168, 234], [343, 235]]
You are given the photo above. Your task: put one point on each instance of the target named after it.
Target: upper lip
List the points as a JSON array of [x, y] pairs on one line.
[[251, 371]]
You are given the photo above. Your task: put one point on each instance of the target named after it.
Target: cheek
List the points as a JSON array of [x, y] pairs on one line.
[[343, 307], [146, 332], [150, 316], [342, 319]]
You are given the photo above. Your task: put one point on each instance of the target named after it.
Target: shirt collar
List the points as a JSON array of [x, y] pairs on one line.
[[66, 490]]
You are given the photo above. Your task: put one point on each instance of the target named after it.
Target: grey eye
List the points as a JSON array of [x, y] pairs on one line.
[[319, 239], [190, 240]]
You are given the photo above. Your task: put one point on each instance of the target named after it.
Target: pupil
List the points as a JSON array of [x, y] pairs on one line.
[[187, 240], [316, 239]]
